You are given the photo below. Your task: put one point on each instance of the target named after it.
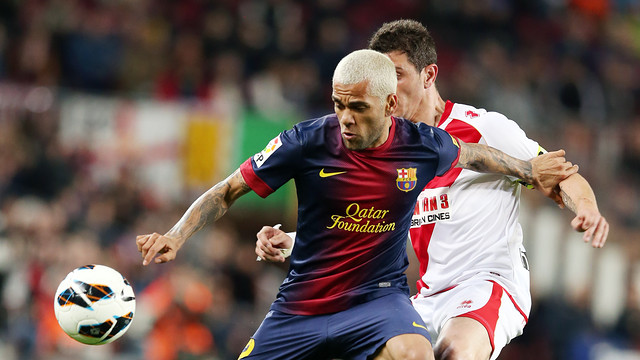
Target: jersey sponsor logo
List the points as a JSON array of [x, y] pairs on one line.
[[247, 349], [328, 174], [362, 220], [268, 150], [407, 179], [433, 205]]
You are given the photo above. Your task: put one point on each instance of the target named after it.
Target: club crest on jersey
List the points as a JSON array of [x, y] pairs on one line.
[[268, 150], [407, 179], [471, 114]]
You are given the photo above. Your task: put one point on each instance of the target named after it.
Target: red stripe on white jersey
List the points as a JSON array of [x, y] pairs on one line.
[[421, 236]]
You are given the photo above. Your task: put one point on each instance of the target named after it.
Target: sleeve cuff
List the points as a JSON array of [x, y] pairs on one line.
[[255, 183]]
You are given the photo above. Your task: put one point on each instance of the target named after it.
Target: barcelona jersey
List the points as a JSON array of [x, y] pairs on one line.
[[354, 208]]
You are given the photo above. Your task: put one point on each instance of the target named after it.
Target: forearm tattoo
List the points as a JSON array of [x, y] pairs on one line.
[[486, 159], [568, 202], [211, 205]]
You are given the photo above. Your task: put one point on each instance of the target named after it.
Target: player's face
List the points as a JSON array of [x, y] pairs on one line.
[[411, 87], [364, 118]]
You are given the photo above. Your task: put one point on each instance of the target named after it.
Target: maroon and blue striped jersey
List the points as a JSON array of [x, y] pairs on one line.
[[354, 208]]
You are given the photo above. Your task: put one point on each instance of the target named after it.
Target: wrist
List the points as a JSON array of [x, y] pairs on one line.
[[176, 237]]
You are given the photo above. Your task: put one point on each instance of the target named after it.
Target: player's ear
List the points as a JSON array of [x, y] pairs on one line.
[[391, 104], [429, 75]]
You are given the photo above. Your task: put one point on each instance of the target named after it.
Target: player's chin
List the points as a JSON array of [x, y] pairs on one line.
[[352, 142]]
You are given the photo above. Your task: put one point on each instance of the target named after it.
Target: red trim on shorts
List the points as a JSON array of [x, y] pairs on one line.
[[489, 313], [526, 319]]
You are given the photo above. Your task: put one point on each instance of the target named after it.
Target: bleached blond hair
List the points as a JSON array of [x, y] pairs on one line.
[[363, 65]]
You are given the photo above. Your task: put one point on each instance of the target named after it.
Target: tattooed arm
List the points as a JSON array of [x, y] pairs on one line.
[[578, 197], [544, 172], [208, 208]]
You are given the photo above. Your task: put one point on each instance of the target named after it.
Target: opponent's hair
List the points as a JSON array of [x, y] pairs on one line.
[[368, 65], [409, 37]]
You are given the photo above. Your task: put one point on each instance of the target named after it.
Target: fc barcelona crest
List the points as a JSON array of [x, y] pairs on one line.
[[407, 179]]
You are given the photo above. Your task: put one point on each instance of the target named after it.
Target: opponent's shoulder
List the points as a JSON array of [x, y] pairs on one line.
[[485, 122], [473, 115]]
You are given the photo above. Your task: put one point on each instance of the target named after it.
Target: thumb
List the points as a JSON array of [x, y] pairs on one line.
[[577, 223]]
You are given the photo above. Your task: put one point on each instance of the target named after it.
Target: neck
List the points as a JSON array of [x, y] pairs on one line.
[[431, 108], [385, 133]]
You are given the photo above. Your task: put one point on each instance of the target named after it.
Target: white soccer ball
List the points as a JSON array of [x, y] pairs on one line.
[[94, 304]]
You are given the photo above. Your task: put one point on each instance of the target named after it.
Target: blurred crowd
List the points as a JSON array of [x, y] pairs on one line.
[[568, 71]]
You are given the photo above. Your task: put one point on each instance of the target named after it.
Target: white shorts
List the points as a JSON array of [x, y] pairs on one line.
[[482, 300]]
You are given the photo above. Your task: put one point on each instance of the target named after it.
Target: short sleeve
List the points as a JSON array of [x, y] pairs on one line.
[[448, 149], [276, 164], [505, 135]]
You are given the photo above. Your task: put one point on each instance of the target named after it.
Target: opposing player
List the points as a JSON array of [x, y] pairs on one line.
[[358, 174], [473, 291]]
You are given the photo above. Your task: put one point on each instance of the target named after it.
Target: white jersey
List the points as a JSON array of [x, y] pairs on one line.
[[465, 225]]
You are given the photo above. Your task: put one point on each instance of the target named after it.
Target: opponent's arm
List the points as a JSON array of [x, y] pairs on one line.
[[578, 197], [544, 172], [208, 208]]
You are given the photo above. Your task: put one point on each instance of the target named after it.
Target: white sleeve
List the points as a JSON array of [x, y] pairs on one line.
[[506, 136]]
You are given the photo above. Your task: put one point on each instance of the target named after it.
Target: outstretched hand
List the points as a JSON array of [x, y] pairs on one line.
[[151, 245], [270, 243], [549, 170]]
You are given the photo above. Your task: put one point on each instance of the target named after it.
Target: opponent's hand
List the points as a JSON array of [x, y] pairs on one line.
[[270, 243], [594, 226], [549, 170], [151, 245]]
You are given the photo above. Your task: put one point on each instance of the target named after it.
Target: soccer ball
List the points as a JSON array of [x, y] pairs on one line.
[[94, 304]]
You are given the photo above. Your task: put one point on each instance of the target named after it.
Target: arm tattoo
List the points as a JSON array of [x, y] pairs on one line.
[[568, 202], [210, 206], [486, 159]]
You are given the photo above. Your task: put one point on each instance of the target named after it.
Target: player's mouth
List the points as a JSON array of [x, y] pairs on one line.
[[349, 135]]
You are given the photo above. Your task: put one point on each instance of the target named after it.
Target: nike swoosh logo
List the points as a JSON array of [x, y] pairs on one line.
[[327, 174], [419, 326]]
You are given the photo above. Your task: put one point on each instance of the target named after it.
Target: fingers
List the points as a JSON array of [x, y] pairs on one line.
[[572, 170], [596, 229], [601, 233], [560, 152], [166, 257], [265, 248], [157, 247], [151, 245], [145, 242], [141, 240]]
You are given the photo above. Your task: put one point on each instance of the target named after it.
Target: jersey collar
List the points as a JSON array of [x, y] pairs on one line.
[[448, 106]]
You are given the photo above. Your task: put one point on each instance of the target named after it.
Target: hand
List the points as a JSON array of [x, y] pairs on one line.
[[270, 243], [594, 225], [549, 170], [151, 245]]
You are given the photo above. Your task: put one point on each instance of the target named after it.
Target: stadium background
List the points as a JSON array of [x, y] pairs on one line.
[[115, 115]]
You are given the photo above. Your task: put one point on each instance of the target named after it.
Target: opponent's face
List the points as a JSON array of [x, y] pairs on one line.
[[364, 118], [411, 86]]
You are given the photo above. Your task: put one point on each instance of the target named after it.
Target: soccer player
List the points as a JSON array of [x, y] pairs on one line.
[[473, 291], [358, 173]]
